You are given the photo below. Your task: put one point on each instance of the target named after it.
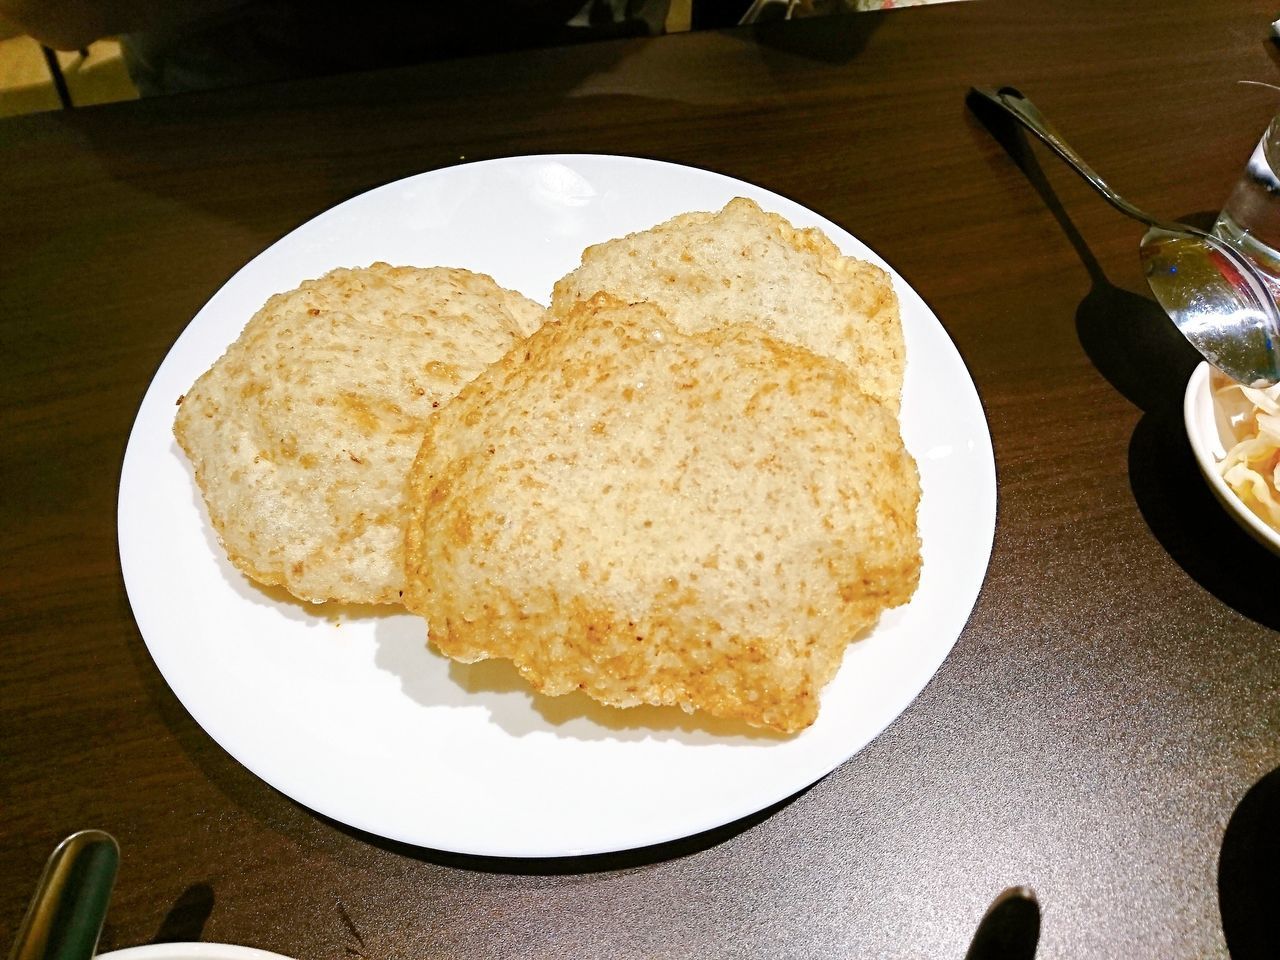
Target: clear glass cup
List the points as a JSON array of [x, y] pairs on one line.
[[1250, 220]]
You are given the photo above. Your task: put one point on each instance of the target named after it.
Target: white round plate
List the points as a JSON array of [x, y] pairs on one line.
[[189, 951], [351, 714], [1208, 441]]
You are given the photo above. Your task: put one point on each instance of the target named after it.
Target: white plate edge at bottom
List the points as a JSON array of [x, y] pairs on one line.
[[190, 951]]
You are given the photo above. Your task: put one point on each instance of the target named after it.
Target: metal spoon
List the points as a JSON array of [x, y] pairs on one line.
[[1215, 296], [65, 916]]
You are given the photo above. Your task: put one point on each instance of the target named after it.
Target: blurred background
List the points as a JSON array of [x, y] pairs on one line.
[[34, 77]]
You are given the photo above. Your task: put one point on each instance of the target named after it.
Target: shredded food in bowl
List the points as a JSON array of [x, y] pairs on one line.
[[1250, 418]]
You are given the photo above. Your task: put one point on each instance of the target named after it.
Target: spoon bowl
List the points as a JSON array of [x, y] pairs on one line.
[[1215, 300], [1213, 294]]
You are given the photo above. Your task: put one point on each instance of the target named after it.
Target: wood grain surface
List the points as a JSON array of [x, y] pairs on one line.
[[1105, 729]]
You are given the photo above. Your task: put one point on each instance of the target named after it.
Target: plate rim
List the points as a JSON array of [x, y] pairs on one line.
[[190, 950]]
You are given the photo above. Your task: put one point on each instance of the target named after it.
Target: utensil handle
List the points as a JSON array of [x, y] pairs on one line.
[[1010, 929], [65, 917], [1011, 100]]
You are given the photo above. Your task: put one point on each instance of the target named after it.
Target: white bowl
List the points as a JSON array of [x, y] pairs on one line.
[[1206, 437], [190, 951]]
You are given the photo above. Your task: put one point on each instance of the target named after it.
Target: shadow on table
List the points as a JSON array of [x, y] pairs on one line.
[[559, 866], [1135, 346], [184, 923], [1249, 874]]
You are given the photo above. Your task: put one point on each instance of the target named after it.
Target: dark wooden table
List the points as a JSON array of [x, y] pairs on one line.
[[1105, 729]]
